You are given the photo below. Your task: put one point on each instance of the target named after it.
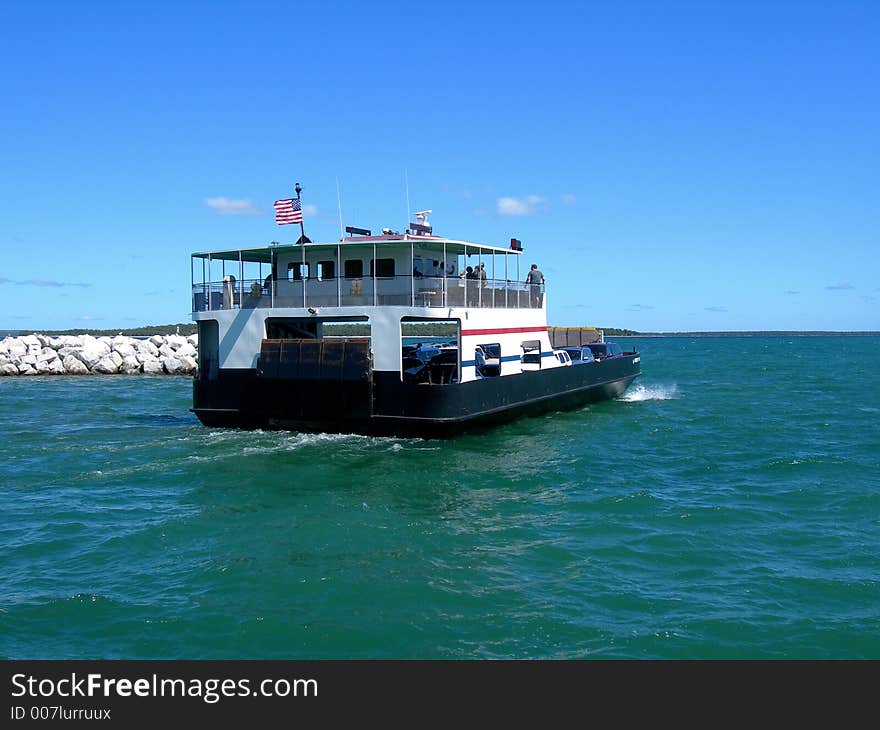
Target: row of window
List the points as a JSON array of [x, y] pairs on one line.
[[352, 269]]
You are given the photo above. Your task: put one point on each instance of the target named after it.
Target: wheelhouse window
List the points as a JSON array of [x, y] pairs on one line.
[[354, 268], [297, 271], [325, 270], [383, 268]]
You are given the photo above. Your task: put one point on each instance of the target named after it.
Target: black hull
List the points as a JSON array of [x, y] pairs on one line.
[[383, 405]]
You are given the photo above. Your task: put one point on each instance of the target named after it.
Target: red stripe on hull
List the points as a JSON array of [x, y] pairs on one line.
[[503, 331]]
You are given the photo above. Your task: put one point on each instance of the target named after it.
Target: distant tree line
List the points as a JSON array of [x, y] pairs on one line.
[[184, 328]]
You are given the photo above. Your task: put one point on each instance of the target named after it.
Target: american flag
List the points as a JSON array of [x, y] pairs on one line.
[[288, 211]]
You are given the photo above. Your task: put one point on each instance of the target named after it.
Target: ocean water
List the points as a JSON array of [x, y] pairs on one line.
[[727, 507]]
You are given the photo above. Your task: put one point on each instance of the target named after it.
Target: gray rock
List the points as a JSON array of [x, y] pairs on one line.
[[153, 367], [73, 366], [125, 349], [186, 350], [50, 367], [8, 369], [130, 365], [172, 365], [93, 352], [16, 347], [145, 346], [106, 366], [189, 364]]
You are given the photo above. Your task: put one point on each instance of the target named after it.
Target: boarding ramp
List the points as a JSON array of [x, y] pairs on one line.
[[318, 378]]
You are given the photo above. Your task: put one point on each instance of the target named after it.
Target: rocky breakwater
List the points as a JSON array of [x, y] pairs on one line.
[[87, 355]]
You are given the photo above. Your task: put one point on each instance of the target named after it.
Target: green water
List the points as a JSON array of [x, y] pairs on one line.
[[728, 507]]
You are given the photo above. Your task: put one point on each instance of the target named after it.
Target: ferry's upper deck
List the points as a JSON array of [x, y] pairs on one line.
[[363, 270]]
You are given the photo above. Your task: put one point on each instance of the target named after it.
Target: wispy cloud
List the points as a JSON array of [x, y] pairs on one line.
[[716, 309], [639, 307], [42, 282], [531, 205], [228, 206], [568, 199], [840, 286]]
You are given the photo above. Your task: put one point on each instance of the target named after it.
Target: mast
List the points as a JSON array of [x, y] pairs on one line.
[[302, 228]]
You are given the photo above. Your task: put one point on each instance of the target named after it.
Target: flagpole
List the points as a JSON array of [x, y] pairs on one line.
[[302, 227]]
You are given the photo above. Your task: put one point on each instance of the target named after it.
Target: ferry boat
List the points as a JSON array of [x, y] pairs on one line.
[[383, 334]]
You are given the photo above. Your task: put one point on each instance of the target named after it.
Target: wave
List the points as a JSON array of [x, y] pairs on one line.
[[641, 392]]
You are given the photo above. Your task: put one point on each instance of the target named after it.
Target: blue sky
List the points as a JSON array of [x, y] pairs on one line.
[[669, 166]]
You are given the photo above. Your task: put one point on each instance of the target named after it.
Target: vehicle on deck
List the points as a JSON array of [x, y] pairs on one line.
[[563, 357], [605, 350], [579, 355]]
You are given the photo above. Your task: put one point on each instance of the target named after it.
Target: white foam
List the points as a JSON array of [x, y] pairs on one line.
[[641, 392]]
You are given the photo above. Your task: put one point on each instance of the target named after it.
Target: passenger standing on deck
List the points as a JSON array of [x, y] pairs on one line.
[[470, 287], [481, 276], [535, 279]]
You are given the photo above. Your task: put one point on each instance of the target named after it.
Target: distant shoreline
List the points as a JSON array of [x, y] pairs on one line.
[[756, 333], [190, 328]]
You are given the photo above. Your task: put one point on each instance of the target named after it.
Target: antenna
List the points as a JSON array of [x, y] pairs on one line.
[[406, 178], [339, 205]]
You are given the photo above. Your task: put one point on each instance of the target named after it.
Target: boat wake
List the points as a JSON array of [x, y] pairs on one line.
[[640, 393]]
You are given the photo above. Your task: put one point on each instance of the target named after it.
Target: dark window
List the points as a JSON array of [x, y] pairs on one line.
[[325, 269], [297, 271], [354, 269], [383, 267]]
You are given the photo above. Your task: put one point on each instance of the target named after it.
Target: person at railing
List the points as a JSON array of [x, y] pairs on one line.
[[483, 296], [470, 284], [535, 280], [229, 292], [254, 295]]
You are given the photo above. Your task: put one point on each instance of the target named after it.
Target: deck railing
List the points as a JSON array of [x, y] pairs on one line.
[[407, 291]]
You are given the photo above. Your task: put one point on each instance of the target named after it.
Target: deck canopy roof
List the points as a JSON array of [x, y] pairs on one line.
[[265, 254]]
